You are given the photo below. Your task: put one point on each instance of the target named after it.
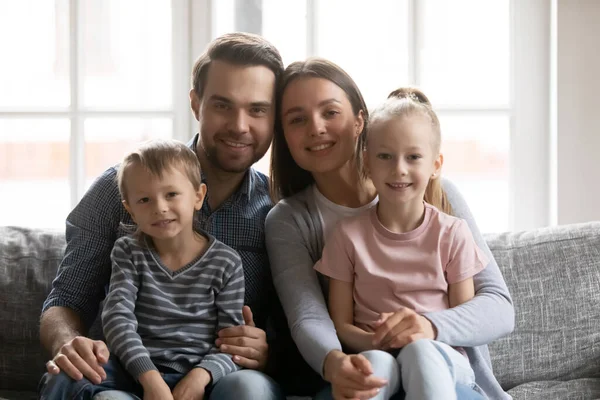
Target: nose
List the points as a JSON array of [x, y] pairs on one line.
[[160, 206], [401, 167], [317, 126], [239, 122]]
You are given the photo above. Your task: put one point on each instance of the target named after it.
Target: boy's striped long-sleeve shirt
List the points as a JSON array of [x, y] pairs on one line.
[[156, 317]]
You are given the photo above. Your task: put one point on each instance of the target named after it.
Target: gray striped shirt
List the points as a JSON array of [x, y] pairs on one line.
[[157, 317]]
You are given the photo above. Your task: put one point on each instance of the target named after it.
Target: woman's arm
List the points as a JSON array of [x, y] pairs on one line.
[[298, 288], [490, 314], [341, 308]]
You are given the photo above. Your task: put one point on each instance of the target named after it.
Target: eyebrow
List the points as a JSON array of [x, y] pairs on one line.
[[216, 97], [321, 104]]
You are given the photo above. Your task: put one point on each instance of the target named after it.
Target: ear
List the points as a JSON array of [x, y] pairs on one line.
[[437, 166], [360, 123], [200, 196], [195, 104], [128, 208]]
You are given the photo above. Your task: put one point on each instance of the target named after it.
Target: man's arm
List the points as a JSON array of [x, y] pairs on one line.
[[79, 287]]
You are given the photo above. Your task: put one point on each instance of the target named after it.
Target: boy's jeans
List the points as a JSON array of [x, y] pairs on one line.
[[425, 369], [119, 385]]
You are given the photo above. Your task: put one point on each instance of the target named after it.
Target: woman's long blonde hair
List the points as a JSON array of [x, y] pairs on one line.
[[410, 101]]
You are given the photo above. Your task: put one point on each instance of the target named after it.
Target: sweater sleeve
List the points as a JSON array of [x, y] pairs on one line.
[[229, 302], [298, 287], [119, 322], [490, 314]]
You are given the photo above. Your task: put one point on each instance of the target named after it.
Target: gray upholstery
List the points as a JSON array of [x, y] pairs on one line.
[[553, 275]]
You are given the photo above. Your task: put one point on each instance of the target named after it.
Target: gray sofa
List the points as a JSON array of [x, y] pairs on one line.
[[552, 273]]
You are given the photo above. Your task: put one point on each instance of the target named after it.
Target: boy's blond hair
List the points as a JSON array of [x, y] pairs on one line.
[[158, 156]]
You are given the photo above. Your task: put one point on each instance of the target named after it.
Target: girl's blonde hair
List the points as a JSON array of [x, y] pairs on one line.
[[157, 156], [409, 101]]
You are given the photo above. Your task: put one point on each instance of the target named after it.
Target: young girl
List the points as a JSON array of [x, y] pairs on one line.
[[172, 286], [407, 252]]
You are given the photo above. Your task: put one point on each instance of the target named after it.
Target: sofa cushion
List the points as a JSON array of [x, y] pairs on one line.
[[582, 389], [28, 262], [553, 275]]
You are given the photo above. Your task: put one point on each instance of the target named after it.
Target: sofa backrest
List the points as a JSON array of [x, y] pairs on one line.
[[29, 259], [553, 275]]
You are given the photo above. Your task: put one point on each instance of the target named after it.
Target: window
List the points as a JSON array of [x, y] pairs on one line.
[[86, 82], [457, 52]]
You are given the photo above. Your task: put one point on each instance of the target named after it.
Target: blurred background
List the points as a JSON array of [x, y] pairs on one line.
[[514, 83]]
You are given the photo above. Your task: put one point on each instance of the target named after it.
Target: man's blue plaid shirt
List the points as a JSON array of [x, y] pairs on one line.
[[95, 224]]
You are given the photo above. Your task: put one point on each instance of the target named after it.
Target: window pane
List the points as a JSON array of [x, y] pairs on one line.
[[284, 25], [476, 159], [465, 54], [107, 140], [370, 43], [34, 43], [34, 172], [126, 54]]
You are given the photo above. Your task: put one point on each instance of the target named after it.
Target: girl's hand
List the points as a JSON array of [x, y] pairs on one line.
[[396, 330], [193, 385], [351, 376]]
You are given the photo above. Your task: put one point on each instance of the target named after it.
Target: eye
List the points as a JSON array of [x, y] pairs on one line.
[[296, 120], [331, 113], [221, 106], [258, 111], [384, 156], [171, 194], [415, 157], [143, 200]]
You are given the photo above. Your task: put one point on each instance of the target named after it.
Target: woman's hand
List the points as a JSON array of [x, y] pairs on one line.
[[351, 376], [396, 330]]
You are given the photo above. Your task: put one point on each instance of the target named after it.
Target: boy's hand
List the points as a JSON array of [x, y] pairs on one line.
[[246, 343], [155, 387], [193, 385], [81, 357]]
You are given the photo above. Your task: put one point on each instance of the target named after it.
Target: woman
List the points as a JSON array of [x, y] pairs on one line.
[[317, 173]]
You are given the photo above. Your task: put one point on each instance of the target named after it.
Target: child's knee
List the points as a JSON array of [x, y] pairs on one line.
[[417, 350], [378, 357]]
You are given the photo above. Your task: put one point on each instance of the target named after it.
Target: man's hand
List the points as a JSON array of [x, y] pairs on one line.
[[81, 357], [351, 376], [396, 330], [246, 343], [193, 385]]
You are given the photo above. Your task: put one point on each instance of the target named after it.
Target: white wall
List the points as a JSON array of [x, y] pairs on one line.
[[578, 111]]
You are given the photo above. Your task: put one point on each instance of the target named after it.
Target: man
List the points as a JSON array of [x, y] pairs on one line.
[[233, 99]]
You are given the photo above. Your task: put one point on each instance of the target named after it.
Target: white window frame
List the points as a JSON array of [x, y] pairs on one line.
[[532, 165], [76, 113]]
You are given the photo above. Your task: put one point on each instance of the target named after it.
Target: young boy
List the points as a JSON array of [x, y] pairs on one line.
[[173, 287]]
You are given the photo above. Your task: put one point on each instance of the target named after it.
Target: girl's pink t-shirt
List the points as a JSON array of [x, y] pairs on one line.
[[393, 270]]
